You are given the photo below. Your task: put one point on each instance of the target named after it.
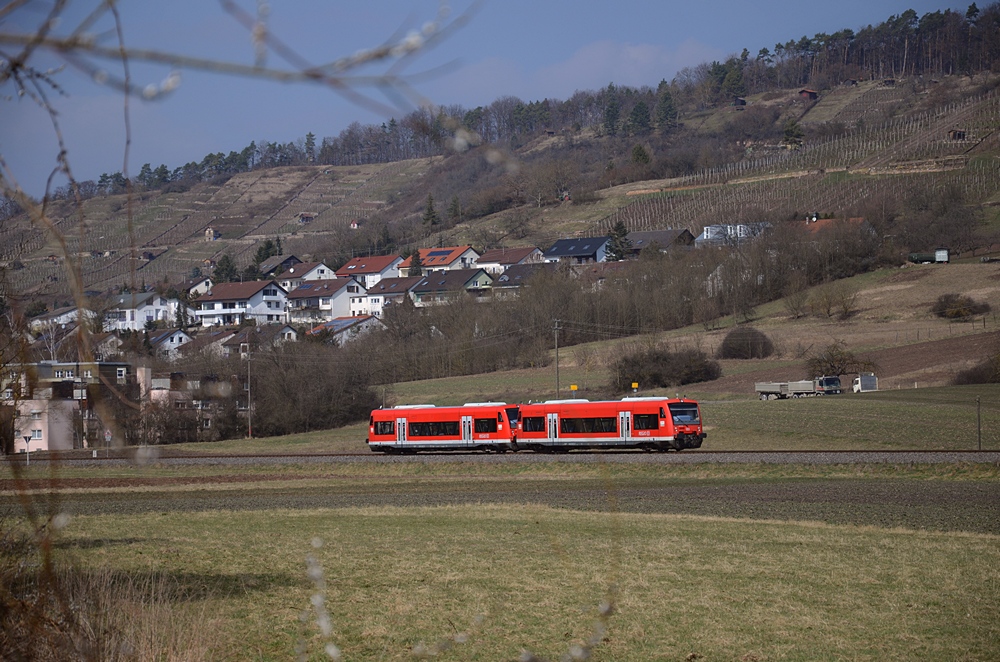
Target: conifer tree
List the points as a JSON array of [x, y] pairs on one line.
[[430, 214]]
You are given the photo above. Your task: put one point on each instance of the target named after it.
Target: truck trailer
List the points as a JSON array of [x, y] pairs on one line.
[[865, 383], [809, 387]]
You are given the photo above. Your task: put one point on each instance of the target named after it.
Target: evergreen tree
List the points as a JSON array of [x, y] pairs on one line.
[[310, 147], [612, 110], [416, 266], [455, 211], [225, 270], [638, 119], [619, 246], [430, 214], [666, 111], [640, 156]]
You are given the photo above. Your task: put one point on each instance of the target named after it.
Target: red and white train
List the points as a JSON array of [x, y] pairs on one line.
[[555, 426]]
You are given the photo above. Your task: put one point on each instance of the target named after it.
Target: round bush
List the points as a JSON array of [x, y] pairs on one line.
[[745, 342], [958, 306]]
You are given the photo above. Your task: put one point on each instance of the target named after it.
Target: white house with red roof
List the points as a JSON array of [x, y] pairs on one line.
[[227, 304], [297, 274], [318, 301], [370, 270], [442, 259], [497, 261]]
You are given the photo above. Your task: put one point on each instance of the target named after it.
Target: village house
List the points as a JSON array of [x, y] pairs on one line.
[[60, 317], [729, 235], [193, 287], [509, 283], [443, 287], [389, 292], [319, 301], [168, 343], [255, 338], [297, 274], [132, 311], [496, 261], [370, 270], [664, 239], [342, 330], [582, 250], [277, 264], [228, 304], [433, 260], [208, 341]]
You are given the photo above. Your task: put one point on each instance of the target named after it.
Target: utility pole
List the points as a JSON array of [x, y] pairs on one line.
[[556, 331], [249, 394]]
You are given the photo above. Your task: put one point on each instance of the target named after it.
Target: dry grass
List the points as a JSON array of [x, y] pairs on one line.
[[724, 589]]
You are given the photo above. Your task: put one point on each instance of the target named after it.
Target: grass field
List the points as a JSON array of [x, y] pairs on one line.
[[719, 561]]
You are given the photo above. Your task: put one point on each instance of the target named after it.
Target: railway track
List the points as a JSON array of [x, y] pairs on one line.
[[150, 455]]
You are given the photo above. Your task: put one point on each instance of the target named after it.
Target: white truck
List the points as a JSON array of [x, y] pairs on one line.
[[865, 383], [808, 387]]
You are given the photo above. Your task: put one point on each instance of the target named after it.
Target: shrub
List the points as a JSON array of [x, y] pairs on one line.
[[987, 372], [745, 342], [958, 306], [656, 367]]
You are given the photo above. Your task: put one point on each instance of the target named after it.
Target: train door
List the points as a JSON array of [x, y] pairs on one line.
[[625, 425], [553, 427], [400, 430], [466, 429]]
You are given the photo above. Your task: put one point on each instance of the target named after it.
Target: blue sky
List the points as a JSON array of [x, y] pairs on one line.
[[531, 50]]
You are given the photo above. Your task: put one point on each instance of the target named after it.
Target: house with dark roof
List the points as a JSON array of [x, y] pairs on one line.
[[60, 317], [208, 341], [433, 260], [318, 301], [168, 343], [343, 330], [390, 291], [254, 338], [497, 260], [514, 277], [276, 264], [441, 287], [370, 270], [228, 304], [193, 287], [664, 239], [582, 250], [299, 273]]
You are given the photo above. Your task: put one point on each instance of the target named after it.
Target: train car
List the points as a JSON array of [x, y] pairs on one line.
[[649, 423], [489, 426]]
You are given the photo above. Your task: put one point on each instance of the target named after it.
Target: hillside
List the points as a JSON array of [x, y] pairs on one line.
[[888, 142]]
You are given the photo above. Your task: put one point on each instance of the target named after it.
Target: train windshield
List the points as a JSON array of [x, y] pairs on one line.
[[685, 413], [512, 415]]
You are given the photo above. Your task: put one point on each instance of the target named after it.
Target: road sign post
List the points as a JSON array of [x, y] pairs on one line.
[[27, 450]]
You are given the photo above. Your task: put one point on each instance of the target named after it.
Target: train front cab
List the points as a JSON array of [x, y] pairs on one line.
[[648, 423], [412, 428]]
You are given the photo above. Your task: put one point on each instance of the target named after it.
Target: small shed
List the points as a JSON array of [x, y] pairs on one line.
[[956, 134], [808, 95]]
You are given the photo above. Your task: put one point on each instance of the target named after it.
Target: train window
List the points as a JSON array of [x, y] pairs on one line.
[[533, 424], [485, 424], [663, 414], [385, 427], [581, 425], [512, 414], [434, 429], [685, 413], [645, 421]]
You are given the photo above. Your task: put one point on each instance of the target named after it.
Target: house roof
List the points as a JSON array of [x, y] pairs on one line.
[[256, 336], [189, 283], [320, 288], [340, 324], [517, 274], [134, 299], [367, 265], [395, 286], [236, 291], [206, 338], [506, 255], [438, 257], [275, 261], [299, 270], [447, 281], [162, 336], [579, 247], [664, 238]]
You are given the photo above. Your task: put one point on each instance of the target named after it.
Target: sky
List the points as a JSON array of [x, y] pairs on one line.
[[523, 48]]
